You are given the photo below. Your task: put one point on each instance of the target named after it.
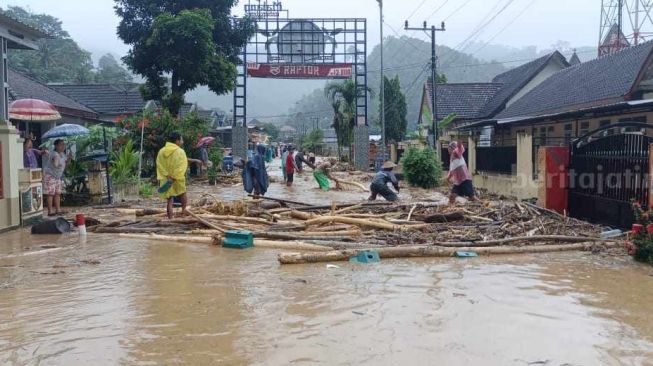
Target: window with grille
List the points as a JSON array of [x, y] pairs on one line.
[[569, 131], [584, 128]]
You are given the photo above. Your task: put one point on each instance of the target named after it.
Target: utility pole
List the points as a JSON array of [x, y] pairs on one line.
[[434, 79], [382, 88]]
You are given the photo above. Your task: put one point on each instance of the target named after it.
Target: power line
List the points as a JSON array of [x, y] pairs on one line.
[[457, 10], [511, 22], [437, 9], [416, 9], [479, 29]]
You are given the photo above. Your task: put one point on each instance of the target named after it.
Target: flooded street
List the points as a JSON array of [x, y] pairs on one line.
[[108, 301]]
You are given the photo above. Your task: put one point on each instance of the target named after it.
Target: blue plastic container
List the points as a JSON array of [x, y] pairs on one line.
[[366, 257], [466, 254], [228, 164], [238, 239]]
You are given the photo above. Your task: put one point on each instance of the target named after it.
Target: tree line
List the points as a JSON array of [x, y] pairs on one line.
[[60, 59]]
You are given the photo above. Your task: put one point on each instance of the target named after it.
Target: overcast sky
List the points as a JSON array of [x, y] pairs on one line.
[[522, 22]]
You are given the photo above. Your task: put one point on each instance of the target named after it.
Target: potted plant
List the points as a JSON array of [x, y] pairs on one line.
[[212, 174], [124, 174]]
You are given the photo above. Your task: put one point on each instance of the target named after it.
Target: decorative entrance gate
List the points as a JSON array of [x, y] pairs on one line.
[[609, 171], [292, 48]]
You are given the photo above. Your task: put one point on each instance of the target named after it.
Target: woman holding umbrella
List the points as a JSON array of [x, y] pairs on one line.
[[203, 145], [53, 169]]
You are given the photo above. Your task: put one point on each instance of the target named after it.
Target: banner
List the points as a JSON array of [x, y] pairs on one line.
[[288, 71]]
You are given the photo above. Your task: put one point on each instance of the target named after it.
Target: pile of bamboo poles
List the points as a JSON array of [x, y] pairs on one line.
[[338, 231]]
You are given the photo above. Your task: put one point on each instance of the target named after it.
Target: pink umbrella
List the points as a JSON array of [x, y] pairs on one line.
[[205, 141], [33, 110]]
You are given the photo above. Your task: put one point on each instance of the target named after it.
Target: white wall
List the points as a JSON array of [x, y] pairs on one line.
[[551, 68]]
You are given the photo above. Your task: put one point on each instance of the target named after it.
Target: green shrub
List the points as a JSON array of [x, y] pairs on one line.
[[157, 127], [422, 168], [146, 189], [124, 164], [215, 154]]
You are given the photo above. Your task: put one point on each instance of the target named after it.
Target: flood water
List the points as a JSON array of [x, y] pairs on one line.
[[108, 301]]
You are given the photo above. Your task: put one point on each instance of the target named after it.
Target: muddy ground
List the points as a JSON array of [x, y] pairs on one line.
[[101, 300]]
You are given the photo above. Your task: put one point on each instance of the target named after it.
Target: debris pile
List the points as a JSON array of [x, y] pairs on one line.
[[338, 231]]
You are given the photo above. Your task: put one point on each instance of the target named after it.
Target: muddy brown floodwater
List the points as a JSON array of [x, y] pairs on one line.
[[108, 301]]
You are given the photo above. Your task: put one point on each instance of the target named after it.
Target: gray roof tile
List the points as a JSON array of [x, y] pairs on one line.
[[464, 99], [105, 98], [584, 85], [514, 80], [22, 86]]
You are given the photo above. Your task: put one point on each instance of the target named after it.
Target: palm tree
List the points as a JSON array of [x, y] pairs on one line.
[[343, 101]]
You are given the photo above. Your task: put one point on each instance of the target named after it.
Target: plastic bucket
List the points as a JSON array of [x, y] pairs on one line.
[[57, 226]]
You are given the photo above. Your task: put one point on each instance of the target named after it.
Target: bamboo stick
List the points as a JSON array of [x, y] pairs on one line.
[[258, 243], [173, 238], [415, 252], [334, 228], [350, 208], [536, 238], [252, 220], [279, 200], [351, 183], [291, 245], [205, 222], [362, 222], [301, 215]]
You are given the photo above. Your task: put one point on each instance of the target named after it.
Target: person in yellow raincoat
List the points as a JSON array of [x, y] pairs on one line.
[[171, 166]]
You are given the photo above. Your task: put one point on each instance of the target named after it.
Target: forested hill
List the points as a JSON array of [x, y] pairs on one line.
[[60, 59], [410, 59]]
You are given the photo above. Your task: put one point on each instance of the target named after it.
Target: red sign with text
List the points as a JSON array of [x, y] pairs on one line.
[[291, 71]]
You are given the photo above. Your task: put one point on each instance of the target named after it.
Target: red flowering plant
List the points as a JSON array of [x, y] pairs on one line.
[[157, 126], [642, 245]]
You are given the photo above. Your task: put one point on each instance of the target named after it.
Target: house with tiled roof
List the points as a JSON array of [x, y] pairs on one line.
[[108, 100], [13, 35], [22, 86], [472, 102], [605, 105]]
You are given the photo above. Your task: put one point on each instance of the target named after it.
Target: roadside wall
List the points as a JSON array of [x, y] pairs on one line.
[[521, 185]]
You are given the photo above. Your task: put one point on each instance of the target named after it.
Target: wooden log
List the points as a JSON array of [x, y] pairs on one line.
[[171, 238], [438, 218], [363, 222], [182, 220], [351, 183], [328, 234], [534, 238], [336, 236], [141, 211], [431, 251], [290, 245], [258, 243], [301, 215], [353, 221], [333, 228], [350, 208], [205, 222], [280, 200], [252, 220], [328, 207]]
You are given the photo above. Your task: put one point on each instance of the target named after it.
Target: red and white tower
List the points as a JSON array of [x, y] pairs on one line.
[[624, 23]]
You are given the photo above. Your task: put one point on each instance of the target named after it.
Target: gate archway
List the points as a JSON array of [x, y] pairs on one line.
[[303, 48], [608, 171]]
